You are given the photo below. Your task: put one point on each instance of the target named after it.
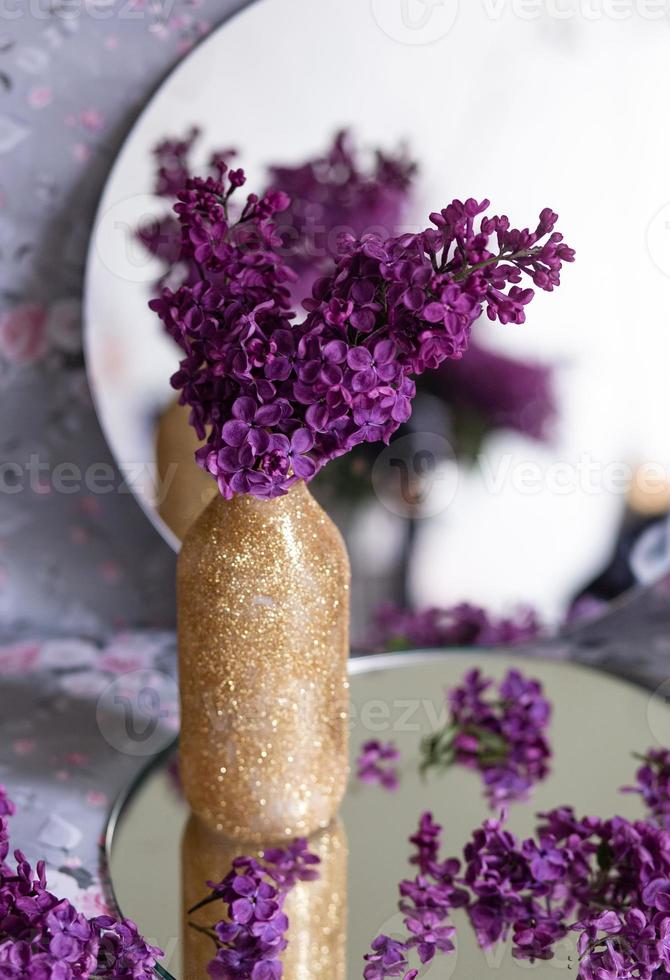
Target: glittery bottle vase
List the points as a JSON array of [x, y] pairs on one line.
[[263, 621]]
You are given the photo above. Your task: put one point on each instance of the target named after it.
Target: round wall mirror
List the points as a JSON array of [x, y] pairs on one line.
[[533, 472]]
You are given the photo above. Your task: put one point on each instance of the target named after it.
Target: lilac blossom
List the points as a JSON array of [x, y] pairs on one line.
[[343, 191], [388, 958], [503, 737], [45, 938], [375, 764], [606, 880], [391, 309]]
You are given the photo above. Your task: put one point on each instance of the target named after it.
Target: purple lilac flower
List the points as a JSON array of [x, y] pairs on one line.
[[607, 880], [45, 938], [503, 736], [462, 625], [280, 400], [387, 959], [18, 960], [289, 865], [653, 785], [252, 936], [374, 764], [338, 192], [426, 903], [7, 809], [123, 952]]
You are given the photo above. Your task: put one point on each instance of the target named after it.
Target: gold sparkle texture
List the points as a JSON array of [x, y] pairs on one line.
[[263, 632], [317, 910]]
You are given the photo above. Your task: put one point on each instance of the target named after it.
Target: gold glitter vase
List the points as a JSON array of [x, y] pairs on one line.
[[263, 631]]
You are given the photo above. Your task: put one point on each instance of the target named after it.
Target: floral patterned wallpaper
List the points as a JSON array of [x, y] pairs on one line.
[[73, 76]]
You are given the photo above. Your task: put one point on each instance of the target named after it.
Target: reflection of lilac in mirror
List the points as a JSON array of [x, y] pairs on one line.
[[605, 880], [375, 764], [252, 936], [499, 391], [342, 190], [339, 193]]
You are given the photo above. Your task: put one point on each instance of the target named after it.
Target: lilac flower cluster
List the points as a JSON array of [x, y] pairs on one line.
[[45, 938], [504, 737], [336, 192], [426, 903], [463, 625], [278, 401], [653, 785], [375, 764], [252, 936], [606, 880]]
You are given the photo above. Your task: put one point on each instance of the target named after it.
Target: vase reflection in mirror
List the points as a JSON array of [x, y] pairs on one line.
[[317, 910], [184, 488], [263, 633]]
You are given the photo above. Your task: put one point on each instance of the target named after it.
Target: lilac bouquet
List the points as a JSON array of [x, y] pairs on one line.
[[346, 190], [45, 938], [277, 400], [503, 737]]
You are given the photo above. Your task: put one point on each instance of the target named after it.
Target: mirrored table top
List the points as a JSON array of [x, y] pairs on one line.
[[160, 857]]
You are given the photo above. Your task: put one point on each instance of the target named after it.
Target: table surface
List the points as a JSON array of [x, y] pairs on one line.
[[66, 705], [159, 867]]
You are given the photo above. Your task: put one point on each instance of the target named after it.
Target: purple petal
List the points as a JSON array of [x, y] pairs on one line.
[[359, 358], [244, 408], [302, 441], [235, 432]]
